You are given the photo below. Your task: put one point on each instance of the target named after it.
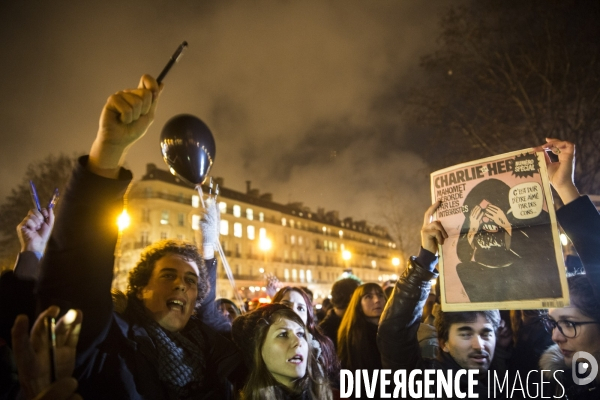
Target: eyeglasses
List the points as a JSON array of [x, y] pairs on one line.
[[567, 328]]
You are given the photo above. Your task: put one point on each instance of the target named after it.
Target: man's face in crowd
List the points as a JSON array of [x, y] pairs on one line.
[[170, 295], [471, 344]]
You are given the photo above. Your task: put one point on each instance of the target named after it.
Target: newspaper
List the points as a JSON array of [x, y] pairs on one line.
[[503, 249]]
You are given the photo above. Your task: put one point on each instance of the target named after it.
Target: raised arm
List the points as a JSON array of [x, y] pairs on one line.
[[399, 323], [578, 217], [77, 268]]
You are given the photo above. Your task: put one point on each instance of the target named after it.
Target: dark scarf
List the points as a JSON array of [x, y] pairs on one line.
[[179, 357]]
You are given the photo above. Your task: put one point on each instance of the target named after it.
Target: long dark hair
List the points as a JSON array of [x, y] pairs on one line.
[[249, 333], [328, 358], [355, 349]]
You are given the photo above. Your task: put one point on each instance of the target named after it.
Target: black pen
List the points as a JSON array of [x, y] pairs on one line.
[[51, 332], [34, 196], [174, 58]]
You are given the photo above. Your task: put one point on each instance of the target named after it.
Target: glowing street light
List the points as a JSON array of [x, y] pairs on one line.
[[123, 221], [265, 244], [395, 261], [346, 255]]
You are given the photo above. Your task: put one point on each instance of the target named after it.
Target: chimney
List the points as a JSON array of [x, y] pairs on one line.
[[254, 193], [267, 197], [150, 167], [219, 181]]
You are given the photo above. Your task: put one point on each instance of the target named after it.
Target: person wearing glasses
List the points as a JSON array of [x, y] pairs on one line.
[[575, 328]]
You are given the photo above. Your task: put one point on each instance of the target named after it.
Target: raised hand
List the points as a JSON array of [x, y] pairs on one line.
[[125, 118], [499, 217], [562, 172], [32, 353], [34, 231], [432, 232], [475, 218]]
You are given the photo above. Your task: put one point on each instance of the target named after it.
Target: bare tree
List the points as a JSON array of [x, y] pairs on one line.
[[507, 75]]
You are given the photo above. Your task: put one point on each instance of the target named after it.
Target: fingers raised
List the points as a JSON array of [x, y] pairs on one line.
[[429, 213]]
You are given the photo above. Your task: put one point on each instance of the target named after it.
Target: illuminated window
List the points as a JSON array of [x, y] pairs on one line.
[[293, 239], [195, 201], [237, 229], [301, 275], [250, 231], [164, 217], [224, 227], [262, 233], [261, 217], [291, 223], [308, 276], [373, 263], [283, 222], [286, 255], [237, 211], [294, 275], [195, 222], [223, 207], [145, 215], [341, 234], [286, 274], [300, 240], [249, 214]]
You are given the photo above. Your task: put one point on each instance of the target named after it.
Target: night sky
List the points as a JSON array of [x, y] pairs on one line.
[[303, 97]]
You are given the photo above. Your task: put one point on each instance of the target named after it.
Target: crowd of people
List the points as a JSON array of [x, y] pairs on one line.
[[168, 337]]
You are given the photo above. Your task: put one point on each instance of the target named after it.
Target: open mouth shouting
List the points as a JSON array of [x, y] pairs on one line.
[[176, 304], [297, 359]]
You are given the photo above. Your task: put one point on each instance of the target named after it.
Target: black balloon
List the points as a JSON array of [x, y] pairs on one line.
[[188, 147]]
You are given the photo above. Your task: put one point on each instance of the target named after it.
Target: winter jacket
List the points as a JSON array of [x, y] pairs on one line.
[[400, 322], [561, 381], [115, 354]]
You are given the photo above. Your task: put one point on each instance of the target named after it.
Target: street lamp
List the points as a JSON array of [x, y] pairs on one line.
[[346, 255], [265, 244], [395, 261], [123, 221]]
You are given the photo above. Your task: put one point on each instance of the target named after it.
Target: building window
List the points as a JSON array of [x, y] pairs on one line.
[[286, 255], [144, 239], [148, 192], [291, 223], [224, 227], [237, 229], [285, 239], [250, 231], [308, 276], [238, 250], [293, 239], [294, 275], [164, 217], [249, 214], [163, 235], [286, 275], [181, 219], [223, 207], [145, 215], [301, 275], [180, 237], [283, 222], [261, 217], [195, 222], [237, 211], [300, 240], [262, 233], [238, 269], [195, 201]]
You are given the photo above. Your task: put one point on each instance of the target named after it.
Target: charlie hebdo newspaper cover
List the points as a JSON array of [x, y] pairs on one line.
[[503, 249]]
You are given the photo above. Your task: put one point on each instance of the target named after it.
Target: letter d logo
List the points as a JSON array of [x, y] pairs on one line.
[[583, 368]]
